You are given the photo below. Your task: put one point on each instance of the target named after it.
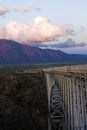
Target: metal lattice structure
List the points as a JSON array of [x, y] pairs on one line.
[[56, 108], [67, 97]]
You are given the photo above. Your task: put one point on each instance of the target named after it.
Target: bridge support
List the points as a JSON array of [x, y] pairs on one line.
[[75, 103], [55, 105], [67, 99]]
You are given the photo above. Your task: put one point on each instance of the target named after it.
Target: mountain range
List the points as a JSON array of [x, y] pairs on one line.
[[12, 52]]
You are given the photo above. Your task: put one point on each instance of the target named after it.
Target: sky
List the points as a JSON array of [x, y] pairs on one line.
[[54, 24]]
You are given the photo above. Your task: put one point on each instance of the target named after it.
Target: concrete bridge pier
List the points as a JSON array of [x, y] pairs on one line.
[[67, 97], [50, 82], [74, 97], [55, 105]]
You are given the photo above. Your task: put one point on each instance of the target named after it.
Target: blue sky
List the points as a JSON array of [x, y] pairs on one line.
[[48, 22]]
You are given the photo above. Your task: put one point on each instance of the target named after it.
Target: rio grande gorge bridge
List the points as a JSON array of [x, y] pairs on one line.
[[67, 97]]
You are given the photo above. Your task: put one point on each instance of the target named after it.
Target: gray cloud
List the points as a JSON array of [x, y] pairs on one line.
[[3, 11], [70, 43], [67, 44]]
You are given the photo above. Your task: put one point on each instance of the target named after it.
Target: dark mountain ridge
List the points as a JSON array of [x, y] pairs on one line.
[[12, 52]]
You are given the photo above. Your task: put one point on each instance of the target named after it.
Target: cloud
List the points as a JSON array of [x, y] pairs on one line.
[[42, 30], [67, 44], [25, 9], [29, 7], [3, 11], [21, 9], [70, 43]]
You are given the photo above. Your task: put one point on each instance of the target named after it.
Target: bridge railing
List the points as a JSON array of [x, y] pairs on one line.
[[71, 68]]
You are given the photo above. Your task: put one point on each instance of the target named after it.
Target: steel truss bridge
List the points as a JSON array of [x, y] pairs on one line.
[[67, 97]]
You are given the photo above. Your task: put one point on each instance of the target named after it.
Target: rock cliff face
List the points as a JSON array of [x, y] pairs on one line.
[[12, 52]]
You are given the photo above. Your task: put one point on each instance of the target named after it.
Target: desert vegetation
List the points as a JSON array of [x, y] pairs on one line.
[[23, 101]]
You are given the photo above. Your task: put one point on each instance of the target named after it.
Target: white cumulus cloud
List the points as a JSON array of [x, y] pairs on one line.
[[41, 30]]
